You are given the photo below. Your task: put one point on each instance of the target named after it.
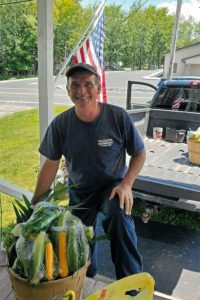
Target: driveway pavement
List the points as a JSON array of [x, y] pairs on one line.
[[18, 95], [171, 255]]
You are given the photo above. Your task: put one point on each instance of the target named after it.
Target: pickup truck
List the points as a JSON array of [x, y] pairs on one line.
[[168, 177]]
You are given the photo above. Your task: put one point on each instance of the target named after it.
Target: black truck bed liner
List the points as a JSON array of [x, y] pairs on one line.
[[167, 171]]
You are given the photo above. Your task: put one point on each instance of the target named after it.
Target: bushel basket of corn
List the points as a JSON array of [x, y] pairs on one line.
[[193, 142], [48, 251]]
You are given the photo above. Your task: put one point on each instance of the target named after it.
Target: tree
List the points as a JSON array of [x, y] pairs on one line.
[[159, 34], [187, 34], [138, 38], [18, 46], [146, 37], [70, 19], [114, 33], [196, 32]]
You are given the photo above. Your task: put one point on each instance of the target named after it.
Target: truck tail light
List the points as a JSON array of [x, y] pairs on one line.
[[197, 83]]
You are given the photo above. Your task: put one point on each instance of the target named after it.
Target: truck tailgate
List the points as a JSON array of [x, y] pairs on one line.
[[167, 171]]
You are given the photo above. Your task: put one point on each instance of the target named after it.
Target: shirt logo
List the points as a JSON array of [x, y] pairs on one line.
[[105, 143]]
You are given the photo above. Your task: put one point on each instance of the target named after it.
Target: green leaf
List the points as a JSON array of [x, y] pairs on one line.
[[46, 195], [58, 192], [18, 214], [23, 208], [77, 206], [26, 201]]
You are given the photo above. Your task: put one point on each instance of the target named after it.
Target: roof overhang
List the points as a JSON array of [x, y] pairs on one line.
[[193, 60]]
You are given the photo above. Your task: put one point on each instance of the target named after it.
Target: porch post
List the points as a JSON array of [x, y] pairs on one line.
[[45, 64]]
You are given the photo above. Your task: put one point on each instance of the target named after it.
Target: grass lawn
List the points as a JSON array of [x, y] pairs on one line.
[[19, 135]]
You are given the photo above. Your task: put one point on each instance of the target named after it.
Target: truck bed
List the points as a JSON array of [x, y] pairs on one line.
[[167, 171], [168, 177]]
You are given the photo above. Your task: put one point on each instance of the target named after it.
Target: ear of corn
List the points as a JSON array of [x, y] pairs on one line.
[[73, 254], [60, 222], [36, 266], [83, 247], [62, 253], [23, 249], [49, 260], [18, 267], [89, 232], [62, 219]]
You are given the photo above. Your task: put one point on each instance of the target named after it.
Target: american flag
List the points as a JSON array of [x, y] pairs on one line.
[[178, 99], [91, 52]]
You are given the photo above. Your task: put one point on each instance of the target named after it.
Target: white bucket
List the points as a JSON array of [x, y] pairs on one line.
[[157, 133]]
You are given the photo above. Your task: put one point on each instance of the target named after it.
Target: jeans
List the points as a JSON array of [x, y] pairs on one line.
[[119, 227]]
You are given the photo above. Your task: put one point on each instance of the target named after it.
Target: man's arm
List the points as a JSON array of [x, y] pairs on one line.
[[124, 189], [45, 179]]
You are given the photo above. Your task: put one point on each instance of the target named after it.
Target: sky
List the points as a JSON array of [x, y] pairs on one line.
[[189, 7]]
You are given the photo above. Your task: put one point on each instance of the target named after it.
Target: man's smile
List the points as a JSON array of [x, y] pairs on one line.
[[81, 97]]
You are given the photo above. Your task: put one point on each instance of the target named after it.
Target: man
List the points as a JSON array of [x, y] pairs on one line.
[[94, 138]]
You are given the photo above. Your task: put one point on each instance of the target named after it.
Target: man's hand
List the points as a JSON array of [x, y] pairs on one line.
[[125, 194], [124, 189]]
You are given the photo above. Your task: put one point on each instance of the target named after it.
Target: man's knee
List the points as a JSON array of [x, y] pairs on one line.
[[116, 220]]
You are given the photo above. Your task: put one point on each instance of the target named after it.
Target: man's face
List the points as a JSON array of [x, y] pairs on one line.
[[83, 88]]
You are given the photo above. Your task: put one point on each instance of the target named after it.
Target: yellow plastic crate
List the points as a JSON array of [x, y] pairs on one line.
[[142, 282]]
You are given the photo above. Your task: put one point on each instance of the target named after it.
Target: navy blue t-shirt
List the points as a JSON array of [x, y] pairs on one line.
[[95, 152]]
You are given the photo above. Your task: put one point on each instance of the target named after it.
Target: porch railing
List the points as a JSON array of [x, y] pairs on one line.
[[13, 190]]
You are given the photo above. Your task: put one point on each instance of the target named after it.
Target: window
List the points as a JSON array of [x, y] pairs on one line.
[[179, 98], [174, 68]]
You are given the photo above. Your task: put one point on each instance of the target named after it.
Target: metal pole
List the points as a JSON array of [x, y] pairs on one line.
[[78, 43], [174, 38]]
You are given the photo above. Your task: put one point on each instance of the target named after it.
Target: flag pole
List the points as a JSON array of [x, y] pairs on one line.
[[173, 41], [101, 6]]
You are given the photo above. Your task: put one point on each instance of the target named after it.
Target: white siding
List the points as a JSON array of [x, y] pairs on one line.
[[195, 70], [182, 67]]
